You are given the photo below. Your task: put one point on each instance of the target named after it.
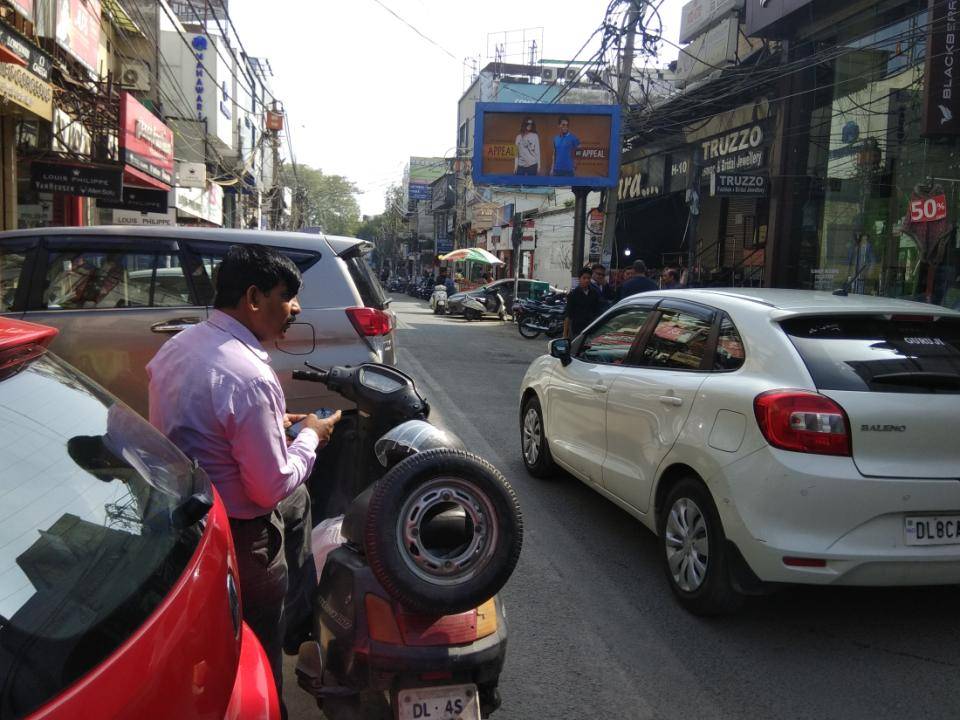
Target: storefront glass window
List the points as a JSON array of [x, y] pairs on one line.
[[881, 215]]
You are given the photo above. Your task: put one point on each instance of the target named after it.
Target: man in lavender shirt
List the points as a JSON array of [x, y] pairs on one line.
[[215, 395]]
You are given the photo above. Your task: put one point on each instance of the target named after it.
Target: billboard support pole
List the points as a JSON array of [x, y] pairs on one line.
[[623, 98], [579, 232]]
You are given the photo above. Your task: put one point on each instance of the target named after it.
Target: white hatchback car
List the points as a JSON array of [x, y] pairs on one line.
[[766, 436]]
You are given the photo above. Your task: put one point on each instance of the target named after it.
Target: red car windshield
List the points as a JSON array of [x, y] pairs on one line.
[[99, 516]]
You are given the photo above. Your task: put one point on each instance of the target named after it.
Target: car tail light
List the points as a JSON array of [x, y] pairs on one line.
[[370, 322], [803, 421], [434, 630]]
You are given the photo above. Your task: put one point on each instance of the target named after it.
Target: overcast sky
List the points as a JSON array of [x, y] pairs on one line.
[[364, 92]]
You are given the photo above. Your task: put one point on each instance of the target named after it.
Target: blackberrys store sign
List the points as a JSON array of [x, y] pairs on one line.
[[941, 111]]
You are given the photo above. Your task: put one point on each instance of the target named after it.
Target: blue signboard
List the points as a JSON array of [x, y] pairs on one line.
[[546, 145], [444, 246]]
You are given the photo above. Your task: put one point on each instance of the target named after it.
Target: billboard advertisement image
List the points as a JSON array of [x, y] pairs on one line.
[[423, 172], [78, 30], [554, 145]]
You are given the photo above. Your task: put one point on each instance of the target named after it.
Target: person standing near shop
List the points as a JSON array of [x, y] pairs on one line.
[[215, 395], [564, 150], [528, 149], [639, 282], [583, 305]]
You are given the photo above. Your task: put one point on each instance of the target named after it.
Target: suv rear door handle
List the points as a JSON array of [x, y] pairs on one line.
[[599, 388], [174, 325], [671, 400]]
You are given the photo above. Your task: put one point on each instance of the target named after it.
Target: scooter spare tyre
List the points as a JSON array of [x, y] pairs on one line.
[[443, 531]]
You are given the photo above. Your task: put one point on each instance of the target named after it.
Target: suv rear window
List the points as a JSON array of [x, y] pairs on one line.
[[369, 287], [877, 353], [88, 546]]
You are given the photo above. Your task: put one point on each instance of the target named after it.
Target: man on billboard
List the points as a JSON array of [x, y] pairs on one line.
[[564, 147], [528, 149]]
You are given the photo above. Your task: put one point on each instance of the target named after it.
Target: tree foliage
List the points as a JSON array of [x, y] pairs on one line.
[[329, 201]]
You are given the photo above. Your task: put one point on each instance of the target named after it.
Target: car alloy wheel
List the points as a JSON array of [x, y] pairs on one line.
[[532, 436], [687, 544]]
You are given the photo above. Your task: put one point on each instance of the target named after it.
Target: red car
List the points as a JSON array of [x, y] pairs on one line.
[[118, 590]]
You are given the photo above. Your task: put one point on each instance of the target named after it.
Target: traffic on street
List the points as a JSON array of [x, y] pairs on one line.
[[484, 361]]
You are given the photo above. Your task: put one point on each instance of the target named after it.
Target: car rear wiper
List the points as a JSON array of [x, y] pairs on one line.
[[922, 379]]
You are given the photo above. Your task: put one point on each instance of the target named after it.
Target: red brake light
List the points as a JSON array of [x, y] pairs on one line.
[[803, 421], [370, 322], [21, 342]]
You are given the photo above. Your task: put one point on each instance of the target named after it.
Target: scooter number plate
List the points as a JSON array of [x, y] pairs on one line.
[[447, 702]]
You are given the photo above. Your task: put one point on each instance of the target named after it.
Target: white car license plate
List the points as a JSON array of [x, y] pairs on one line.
[[448, 702], [932, 530]]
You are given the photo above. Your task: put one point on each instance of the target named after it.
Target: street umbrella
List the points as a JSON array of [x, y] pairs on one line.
[[472, 255]]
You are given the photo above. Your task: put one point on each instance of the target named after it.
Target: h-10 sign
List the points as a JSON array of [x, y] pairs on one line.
[[928, 209]]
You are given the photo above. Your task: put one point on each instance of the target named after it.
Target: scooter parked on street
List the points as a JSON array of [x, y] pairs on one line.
[[438, 301], [489, 303], [407, 621]]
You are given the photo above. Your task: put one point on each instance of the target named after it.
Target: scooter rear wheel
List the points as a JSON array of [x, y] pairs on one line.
[[431, 569]]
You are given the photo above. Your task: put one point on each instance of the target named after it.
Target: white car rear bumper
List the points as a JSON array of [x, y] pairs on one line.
[[776, 504]]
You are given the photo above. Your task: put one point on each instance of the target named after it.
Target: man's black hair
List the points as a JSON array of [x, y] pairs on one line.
[[586, 270], [598, 266], [246, 265], [563, 118], [639, 266]]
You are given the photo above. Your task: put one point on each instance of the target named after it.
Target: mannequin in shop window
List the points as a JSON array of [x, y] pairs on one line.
[[860, 263]]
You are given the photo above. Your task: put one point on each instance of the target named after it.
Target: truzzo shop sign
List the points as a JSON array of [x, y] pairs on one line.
[[736, 151], [726, 185], [941, 115]]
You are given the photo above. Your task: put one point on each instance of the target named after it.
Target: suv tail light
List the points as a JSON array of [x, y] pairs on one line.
[[370, 322], [803, 421]]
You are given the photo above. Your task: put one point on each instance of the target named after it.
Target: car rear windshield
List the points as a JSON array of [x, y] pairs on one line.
[[371, 292], [880, 353], [90, 540]]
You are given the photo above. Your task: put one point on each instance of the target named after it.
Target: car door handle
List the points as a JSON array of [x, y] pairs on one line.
[[174, 325], [599, 388], [671, 400]]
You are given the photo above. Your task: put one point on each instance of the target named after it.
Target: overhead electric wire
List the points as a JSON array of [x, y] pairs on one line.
[[418, 32]]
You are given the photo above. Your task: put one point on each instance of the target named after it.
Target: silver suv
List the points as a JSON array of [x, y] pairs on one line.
[[117, 293]]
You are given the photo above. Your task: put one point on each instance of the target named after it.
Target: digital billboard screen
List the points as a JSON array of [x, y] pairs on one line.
[[552, 145]]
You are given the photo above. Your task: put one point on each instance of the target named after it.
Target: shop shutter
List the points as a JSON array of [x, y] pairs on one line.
[[740, 230]]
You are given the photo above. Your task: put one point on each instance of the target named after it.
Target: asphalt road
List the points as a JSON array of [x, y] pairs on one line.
[[594, 631]]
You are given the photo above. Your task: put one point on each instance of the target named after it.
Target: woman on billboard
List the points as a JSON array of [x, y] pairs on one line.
[[528, 149]]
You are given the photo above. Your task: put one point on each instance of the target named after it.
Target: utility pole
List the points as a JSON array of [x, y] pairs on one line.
[[623, 97], [276, 207]]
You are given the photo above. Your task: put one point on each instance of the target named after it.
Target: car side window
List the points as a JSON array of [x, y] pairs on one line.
[[11, 267], [678, 342], [609, 343], [170, 286], [729, 354], [203, 271], [78, 280]]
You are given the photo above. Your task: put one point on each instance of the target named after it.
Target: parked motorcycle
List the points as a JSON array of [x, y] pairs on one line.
[[407, 621], [489, 303], [548, 320], [438, 300]]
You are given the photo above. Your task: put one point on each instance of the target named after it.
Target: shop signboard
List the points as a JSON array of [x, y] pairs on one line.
[[442, 193], [423, 172], [135, 217], [140, 200], [203, 204], [17, 49], [641, 179], [78, 30], [595, 220], [717, 46], [739, 185], [740, 150], [21, 87], [546, 145], [941, 91], [70, 135], [698, 15], [88, 180], [146, 143], [503, 215], [679, 171]]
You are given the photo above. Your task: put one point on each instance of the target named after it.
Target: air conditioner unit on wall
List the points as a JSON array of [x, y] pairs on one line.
[[546, 74], [571, 74], [135, 75]]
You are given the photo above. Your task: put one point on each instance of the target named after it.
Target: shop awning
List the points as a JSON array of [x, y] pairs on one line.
[[8, 56], [138, 178]]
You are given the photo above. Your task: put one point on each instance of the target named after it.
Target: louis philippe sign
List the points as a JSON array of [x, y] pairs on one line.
[[941, 91]]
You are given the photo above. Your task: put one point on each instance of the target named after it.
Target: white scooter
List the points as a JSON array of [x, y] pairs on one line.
[[438, 301], [490, 302]]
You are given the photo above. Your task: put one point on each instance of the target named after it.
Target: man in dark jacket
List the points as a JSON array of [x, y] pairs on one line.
[[584, 304], [639, 282]]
